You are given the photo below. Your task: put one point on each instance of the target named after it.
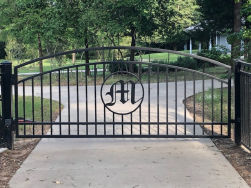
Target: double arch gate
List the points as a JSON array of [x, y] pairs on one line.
[[116, 97]]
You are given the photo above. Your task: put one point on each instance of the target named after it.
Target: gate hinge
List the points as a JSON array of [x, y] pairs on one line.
[[237, 120]]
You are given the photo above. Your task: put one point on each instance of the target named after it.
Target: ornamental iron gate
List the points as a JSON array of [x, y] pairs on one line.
[[112, 96]]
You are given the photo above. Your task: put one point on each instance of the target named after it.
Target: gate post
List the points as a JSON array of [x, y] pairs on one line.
[[6, 91], [237, 84]]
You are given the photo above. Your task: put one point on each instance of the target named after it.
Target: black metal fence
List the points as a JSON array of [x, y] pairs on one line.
[[243, 103]]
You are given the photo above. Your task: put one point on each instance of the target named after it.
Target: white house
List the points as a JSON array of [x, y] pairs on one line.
[[220, 40]]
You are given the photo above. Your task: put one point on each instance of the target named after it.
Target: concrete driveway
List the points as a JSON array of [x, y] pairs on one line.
[[134, 163]]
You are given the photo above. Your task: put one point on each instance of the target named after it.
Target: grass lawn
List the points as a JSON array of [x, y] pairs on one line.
[[37, 112], [220, 112], [217, 107], [164, 56], [37, 107]]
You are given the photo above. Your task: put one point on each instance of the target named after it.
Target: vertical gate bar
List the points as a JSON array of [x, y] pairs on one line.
[[33, 110], [140, 110], [86, 100], [185, 107], [249, 118], [246, 109], [149, 110], [221, 108], [194, 102], [42, 103], [248, 113], [212, 128], [229, 102], [243, 128], [24, 110], [104, 105], [50, 102], [95, 95], [77, 87], [176, 109], [203, 100], [16, 101], [243, 104], [242, 107], [158, 100], [59, 96], [167, 72], [113, 125], [237, 130], [242, 87], [122, 121], [131, 124], [69, 101]]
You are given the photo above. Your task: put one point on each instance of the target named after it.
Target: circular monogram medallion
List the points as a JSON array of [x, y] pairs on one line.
[[122, 92]]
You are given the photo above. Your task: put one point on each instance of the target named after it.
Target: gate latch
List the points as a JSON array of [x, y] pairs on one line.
[[7, 123]]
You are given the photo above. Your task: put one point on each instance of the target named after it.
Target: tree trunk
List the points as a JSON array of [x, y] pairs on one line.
[[114, 44], [73, 58], [235, 52], [40, 52], [133, 44], [87, 55]]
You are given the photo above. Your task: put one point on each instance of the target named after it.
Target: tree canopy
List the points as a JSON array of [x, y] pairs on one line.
[[50, 26]]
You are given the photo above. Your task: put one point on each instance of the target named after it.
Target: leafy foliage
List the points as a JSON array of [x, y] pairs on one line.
[[217, 54], [174, 16]]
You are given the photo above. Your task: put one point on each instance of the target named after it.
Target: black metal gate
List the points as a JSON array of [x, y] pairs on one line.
[[116, 97], [112, 96]]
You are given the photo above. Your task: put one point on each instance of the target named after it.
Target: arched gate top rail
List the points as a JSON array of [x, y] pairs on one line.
[[125, 48]]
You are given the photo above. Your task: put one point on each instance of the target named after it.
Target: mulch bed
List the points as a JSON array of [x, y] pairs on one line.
[[11, 160]]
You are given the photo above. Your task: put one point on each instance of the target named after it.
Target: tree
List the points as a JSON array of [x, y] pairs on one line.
[[231, 17], [81, 23], [236, 43], [133, 18], [32, 22], [246, 29], [216, 15], [173, 17]]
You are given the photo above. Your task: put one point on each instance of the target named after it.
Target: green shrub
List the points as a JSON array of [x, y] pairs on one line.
[[186, 62], [119, 66], [218, 54]]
